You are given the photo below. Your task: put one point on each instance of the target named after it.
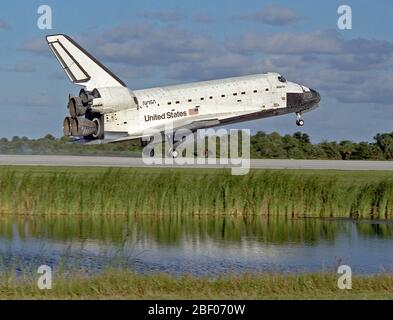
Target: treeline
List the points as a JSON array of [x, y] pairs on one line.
[[298, 146], [49, 145], [263, 145]]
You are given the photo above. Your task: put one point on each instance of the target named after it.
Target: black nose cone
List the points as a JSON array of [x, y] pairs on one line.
[[315, 96], [305, 100]]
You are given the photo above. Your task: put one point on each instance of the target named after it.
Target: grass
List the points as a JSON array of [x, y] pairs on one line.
[[195, 192], [117, 284]]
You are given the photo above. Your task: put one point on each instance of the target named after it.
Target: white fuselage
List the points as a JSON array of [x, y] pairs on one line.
[[218, 101], [107, 111]]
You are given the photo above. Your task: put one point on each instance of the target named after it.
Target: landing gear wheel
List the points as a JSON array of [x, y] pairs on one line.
[[299, 120], [173, 153]]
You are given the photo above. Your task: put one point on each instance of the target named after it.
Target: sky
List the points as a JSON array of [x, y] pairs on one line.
[[161, 42]]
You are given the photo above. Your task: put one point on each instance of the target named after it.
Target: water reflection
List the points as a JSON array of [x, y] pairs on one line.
[[203, 245]]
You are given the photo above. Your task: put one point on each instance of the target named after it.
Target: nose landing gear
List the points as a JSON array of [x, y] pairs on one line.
[[299, 120], [300, 123]]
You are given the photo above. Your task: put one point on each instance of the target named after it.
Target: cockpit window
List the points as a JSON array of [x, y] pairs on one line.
[[282, 79]]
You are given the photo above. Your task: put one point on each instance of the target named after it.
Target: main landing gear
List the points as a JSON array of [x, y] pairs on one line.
[[173, 141], [176, 140], [172, 153], [299, 120]]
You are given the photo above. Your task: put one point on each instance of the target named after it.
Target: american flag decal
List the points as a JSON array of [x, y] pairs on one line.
[[193, 111]]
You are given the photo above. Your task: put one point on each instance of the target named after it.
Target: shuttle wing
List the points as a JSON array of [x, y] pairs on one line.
[[81, 67]]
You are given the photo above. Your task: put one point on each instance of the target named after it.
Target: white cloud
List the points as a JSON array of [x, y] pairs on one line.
[[38, 46], [273, 15], [162, 16], [23, 66], [4, 25], [323, 60], [21, 100], [203, 18], [320, 42]]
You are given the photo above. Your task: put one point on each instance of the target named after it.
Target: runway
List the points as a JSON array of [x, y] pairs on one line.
[[99, 161]]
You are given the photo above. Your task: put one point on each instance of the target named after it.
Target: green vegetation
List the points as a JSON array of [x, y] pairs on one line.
[[50, 145], [180, 192], [298, 146], [263, 145], [118, 284]]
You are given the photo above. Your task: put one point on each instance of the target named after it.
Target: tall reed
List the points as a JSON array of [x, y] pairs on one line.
[[192, 192]]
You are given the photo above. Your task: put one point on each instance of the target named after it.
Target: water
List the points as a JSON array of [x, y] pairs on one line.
[[205, 245]]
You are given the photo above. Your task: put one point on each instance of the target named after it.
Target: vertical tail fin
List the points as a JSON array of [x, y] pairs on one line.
[[81, 67]]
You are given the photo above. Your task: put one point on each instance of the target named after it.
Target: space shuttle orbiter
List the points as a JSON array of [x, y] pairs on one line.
[[106, 111]]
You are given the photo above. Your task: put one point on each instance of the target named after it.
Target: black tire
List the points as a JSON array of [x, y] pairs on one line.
[[148, 152]]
